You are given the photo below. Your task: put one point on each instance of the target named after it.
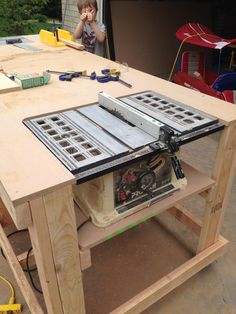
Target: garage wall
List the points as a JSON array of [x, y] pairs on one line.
[[70, 15], [144, 31]]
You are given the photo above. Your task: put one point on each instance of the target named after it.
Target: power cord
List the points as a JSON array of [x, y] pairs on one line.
[[11, 306], [11, 234], [28, 270], [83, 223]]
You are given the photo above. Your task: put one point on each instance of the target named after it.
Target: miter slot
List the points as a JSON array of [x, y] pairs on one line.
[[133, 137], [137, 118]]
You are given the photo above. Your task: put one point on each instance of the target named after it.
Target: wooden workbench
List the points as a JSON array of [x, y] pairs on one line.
[[36, 189]]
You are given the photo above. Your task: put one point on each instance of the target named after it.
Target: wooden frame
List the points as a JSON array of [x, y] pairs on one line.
[[58, 206], [42, 201]]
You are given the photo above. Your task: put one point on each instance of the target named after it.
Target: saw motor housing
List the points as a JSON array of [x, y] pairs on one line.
[[123, 192]]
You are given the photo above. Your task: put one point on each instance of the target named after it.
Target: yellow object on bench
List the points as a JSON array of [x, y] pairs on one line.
[[49, 38], [62, 38], [15, 308], [11, 306], [62, 34]]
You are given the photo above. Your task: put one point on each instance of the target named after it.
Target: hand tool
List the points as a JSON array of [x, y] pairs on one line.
[[108, 78], [56, 72], [116, 73], [110, 71], [124, 83], [92, 76], [68, 75]]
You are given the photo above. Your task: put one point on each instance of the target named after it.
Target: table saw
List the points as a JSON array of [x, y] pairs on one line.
[[123, 152]]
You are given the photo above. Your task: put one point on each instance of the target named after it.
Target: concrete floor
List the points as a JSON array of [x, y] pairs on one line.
[[126, 264]]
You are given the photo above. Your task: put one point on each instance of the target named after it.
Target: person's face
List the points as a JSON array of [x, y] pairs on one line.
[[89, 9]]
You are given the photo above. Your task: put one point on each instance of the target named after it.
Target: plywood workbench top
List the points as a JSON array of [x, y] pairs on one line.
[[27, 168]]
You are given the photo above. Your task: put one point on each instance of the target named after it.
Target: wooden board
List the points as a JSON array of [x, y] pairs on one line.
[[7, 85], [53, 228], [36, 161], [28, 171], [19, 274], [175, 278], [72, 44]]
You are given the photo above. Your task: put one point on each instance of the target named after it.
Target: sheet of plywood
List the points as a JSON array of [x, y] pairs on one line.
[[7, 85], [29, 176]]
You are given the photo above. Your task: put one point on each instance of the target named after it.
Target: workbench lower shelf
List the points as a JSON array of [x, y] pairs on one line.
[[122, 273], [90, 235], [147, 261], [155, 264], [132, 274]]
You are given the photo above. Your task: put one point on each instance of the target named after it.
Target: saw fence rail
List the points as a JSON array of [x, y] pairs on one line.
[[211, 244]]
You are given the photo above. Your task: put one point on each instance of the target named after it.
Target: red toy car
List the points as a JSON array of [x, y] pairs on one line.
[[193, 74]]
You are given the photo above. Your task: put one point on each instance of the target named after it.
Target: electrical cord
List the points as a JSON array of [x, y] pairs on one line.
[[27, 258], [10, 286], [10, 235], [178, 52], [83, 223], [28, 253], [11, 306], [30, 271]]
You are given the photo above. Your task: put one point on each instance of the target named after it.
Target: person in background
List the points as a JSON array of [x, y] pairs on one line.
[[93, 33]]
